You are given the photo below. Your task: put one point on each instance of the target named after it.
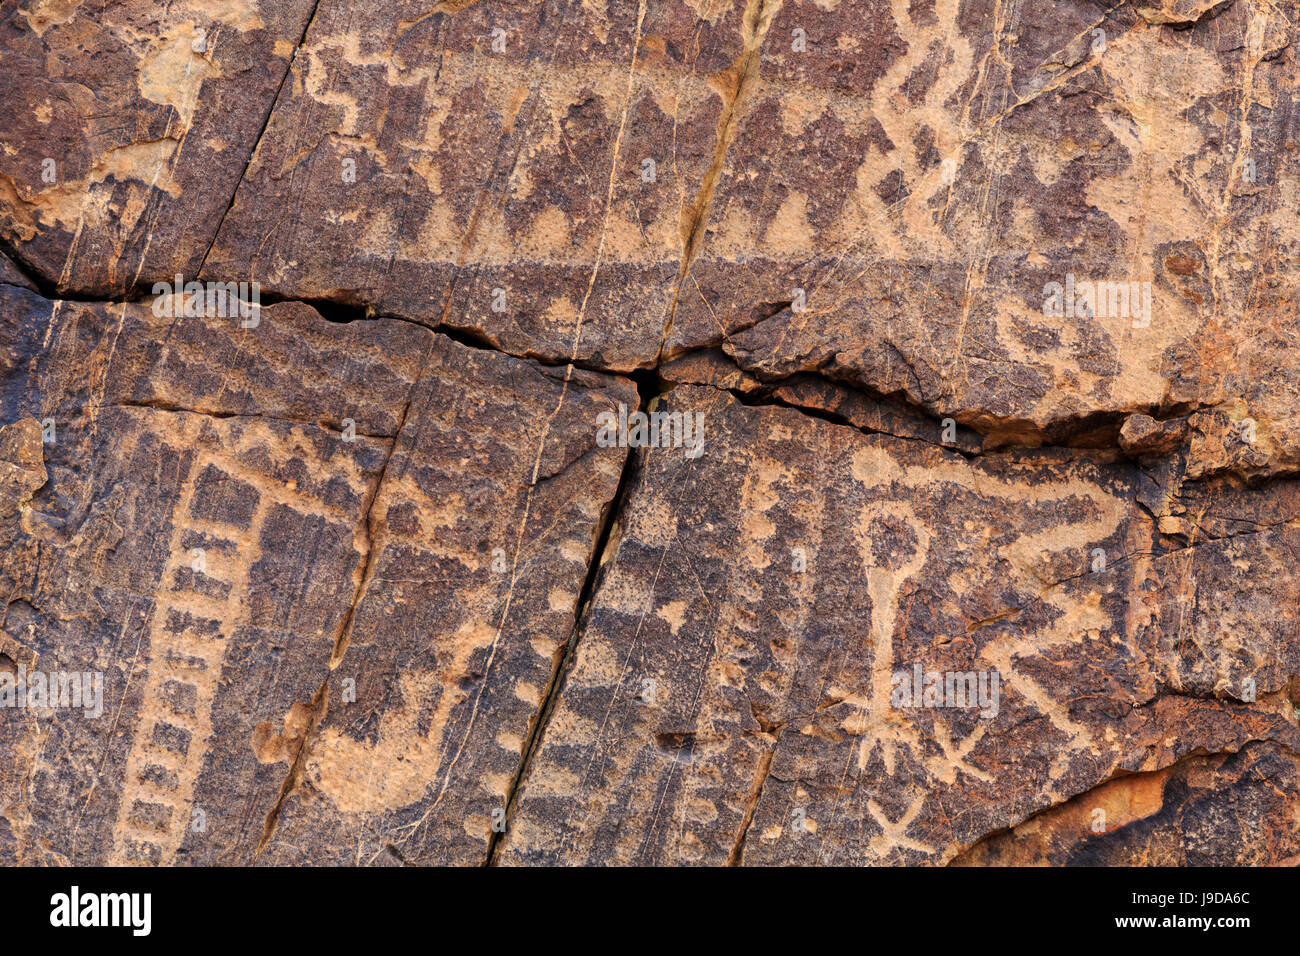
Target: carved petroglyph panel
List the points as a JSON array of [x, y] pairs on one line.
[[481, 535], [773, 734]]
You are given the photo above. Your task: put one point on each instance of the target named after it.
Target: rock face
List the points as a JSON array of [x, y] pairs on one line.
[[723, 433]]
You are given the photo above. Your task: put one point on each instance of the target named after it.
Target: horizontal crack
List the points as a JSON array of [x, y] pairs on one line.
[[771, 401], [961, 856], [761, 392], [163, 406]]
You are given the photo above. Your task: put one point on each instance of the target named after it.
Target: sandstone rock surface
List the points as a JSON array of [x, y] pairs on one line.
[[967, 532]]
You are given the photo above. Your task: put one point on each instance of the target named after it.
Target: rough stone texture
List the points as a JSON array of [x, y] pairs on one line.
[[482, 533], [321, 558], [1169, 157], [477, 169], [772, 686], [149, 114], [365, 584], [1220, 810]]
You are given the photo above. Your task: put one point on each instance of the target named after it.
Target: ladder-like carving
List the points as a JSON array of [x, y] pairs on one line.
[[200, 603]]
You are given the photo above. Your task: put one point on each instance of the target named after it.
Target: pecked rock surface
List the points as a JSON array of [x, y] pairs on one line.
[[365, 533], [968, 330], [734, 689]]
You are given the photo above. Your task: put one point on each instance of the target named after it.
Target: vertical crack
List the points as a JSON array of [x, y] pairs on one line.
[[319, 705], [755, 794], [366, 570], [743, 74], [257, 142], [647, 383], [756, 789]]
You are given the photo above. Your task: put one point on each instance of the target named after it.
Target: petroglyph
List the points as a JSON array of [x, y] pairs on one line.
[[908, 559], [395, 574], [187, 639]]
